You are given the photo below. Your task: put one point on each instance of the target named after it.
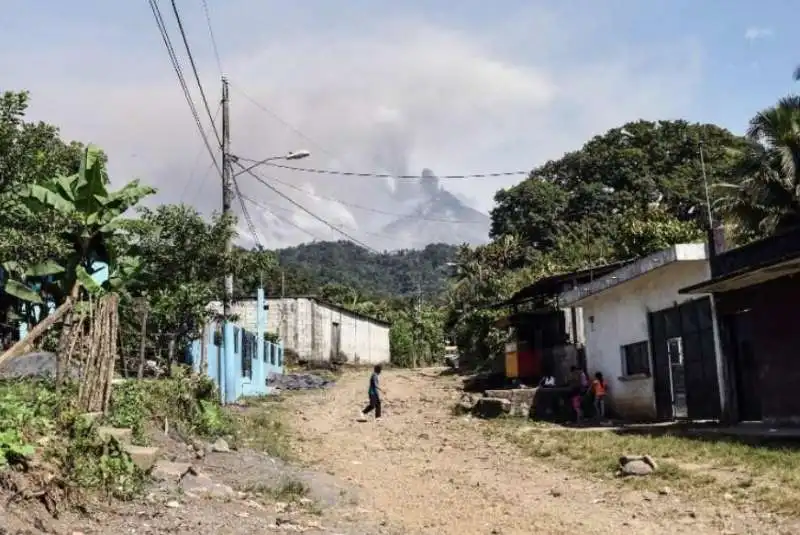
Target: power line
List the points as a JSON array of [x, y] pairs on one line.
[[275, 116], [194, 69], [211, 33], [306, 210], [270, 207], [246, 214], [281, 218], [343, 173], [385, 175], [197, 159], [181, 80], [367, 208]]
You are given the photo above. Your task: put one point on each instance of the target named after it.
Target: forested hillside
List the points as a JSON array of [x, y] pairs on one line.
[[398, 273]]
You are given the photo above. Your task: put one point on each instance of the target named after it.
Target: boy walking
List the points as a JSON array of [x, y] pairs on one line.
[[374, 393]]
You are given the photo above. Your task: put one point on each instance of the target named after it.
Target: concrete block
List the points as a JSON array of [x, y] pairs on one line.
[[491, 407], [143, 457], [122, 435]]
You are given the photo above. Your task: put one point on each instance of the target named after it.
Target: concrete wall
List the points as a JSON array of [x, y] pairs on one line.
[[618, 316], [305, 327]]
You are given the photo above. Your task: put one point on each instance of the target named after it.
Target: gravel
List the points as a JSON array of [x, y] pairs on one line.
[[298, 381]]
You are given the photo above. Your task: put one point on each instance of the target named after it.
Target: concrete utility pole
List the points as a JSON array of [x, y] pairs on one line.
[[227, 195]]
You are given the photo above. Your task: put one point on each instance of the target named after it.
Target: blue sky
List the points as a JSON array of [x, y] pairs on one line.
[[459, 87]]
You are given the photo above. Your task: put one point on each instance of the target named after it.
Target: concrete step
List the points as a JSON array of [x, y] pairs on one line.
[[142, 456], [92, 416], [123, 435]]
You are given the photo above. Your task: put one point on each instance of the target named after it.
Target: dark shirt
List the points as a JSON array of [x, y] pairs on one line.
[[373, 385]]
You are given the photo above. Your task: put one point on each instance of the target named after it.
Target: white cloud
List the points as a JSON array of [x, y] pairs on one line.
[[755, 33], [397, 97]]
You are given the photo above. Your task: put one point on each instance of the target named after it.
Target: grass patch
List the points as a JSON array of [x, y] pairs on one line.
[[764, 474], [260, 426], [188, 403]]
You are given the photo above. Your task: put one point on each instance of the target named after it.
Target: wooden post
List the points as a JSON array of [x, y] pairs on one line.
[[142, 343], [203, 368], [37, 331], [170, 353]]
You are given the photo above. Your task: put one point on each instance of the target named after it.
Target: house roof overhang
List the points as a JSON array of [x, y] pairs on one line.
[[682, 252], [746, 277], [553, 285]]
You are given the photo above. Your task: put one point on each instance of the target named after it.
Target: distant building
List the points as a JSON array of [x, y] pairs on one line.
[[315, 330]]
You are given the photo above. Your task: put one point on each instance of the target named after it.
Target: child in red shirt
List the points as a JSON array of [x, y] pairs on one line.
[[599, 389]]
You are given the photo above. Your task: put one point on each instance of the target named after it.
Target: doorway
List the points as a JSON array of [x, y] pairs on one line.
[[745, 368], [685, 377], [336, 341]]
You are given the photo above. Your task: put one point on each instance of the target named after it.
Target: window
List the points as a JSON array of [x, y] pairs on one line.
[[636, 359], [675, 351]]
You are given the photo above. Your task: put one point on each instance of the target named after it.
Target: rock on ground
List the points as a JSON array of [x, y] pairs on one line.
[[35, 364], [298, 381], [491, 407]]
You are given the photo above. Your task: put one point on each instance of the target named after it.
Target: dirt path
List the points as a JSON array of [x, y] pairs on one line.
[[423, 470]]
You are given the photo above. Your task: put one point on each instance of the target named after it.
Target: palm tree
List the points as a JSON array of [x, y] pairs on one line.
[[766, 195]]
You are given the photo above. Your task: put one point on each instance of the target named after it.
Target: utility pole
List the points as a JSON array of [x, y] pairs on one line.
[[227, 196]]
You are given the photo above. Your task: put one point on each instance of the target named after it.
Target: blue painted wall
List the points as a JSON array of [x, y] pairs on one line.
[[239, 361]]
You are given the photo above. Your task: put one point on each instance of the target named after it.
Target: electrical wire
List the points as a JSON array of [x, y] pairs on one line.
[[384, 175], [251, 227], [275, 116], [279, 217], [194, 69], [270, 207], [369, 209], [191, 176], [181, 80], [345, 173], [211, 33], [306, 210]]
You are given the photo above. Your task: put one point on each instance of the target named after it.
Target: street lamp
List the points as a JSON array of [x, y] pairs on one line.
[[295, 155]]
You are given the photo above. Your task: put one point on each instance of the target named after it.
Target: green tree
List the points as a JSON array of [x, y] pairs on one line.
[[641, 234], [183, 265], [627, 168], [766, 196]]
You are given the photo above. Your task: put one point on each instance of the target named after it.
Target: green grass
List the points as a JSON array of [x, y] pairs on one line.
[[749, 473], [260, 426]]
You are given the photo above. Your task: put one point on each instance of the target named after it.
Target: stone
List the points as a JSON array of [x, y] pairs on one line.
[[220, 446], [665, 491], [636, 468], [173, 504], [491, 407], [142, 456], [170, 471], [203, 485], [123, 435]]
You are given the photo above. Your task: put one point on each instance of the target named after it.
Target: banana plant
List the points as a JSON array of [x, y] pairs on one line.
[[95, 214]]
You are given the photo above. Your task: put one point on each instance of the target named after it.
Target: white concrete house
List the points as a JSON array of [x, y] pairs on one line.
[[319, 331], [657, 349]]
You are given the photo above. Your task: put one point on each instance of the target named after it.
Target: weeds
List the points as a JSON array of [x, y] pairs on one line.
[[188, 403], [45, 441]]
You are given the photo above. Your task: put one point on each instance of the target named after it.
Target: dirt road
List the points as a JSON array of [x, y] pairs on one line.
[[423, 470]]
